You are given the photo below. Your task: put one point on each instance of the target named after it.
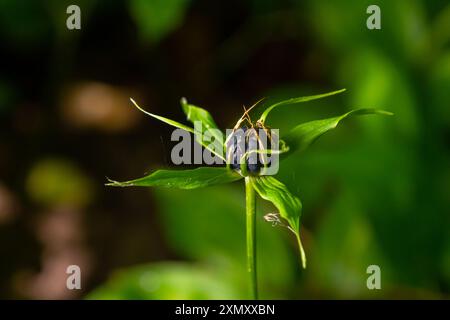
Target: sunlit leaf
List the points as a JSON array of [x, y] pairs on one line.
[[303, 135], [202, 141], [182, 179], [163, 119], [288, 205], [196, 114], [296, 100]]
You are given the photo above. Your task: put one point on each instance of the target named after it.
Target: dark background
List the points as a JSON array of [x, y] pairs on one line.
[[375, 191]]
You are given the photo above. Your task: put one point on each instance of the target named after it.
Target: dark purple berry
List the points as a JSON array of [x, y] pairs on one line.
[[245, 140]]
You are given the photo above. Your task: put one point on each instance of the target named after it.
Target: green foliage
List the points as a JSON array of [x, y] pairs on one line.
[[194, 113], [296, 100], [305, 134], [182, 179], [208, 225], [163, 119], [404, 67], [209, 130], [287, 204], [267, 187]]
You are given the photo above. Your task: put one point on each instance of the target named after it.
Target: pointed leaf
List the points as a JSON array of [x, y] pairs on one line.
[[163, 119], [182, 179], [176, 124], [303, 135], [194, 114], [296, 100], [289, 206]]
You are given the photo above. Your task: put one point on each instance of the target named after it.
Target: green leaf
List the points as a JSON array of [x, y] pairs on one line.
[[303, 135], [288, 205], [194, 114], [182, 179], [163, 119], [176, 124], [296, 100]]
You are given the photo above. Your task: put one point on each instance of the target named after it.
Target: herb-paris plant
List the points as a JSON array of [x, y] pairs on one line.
[[266, 186]]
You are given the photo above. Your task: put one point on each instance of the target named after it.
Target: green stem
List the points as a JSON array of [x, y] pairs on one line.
[[250, 198]]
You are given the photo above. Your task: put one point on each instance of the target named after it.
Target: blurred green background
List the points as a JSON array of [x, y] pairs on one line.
[[374, 191]]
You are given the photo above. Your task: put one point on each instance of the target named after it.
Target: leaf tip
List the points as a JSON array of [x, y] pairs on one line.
[[140, 109], [113, 183], [185, 107], [135, 104], [302, 251]]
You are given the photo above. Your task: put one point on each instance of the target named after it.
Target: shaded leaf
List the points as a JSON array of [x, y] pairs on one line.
[[182, 179], [296, 100], [289, 206], [303, 135]]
